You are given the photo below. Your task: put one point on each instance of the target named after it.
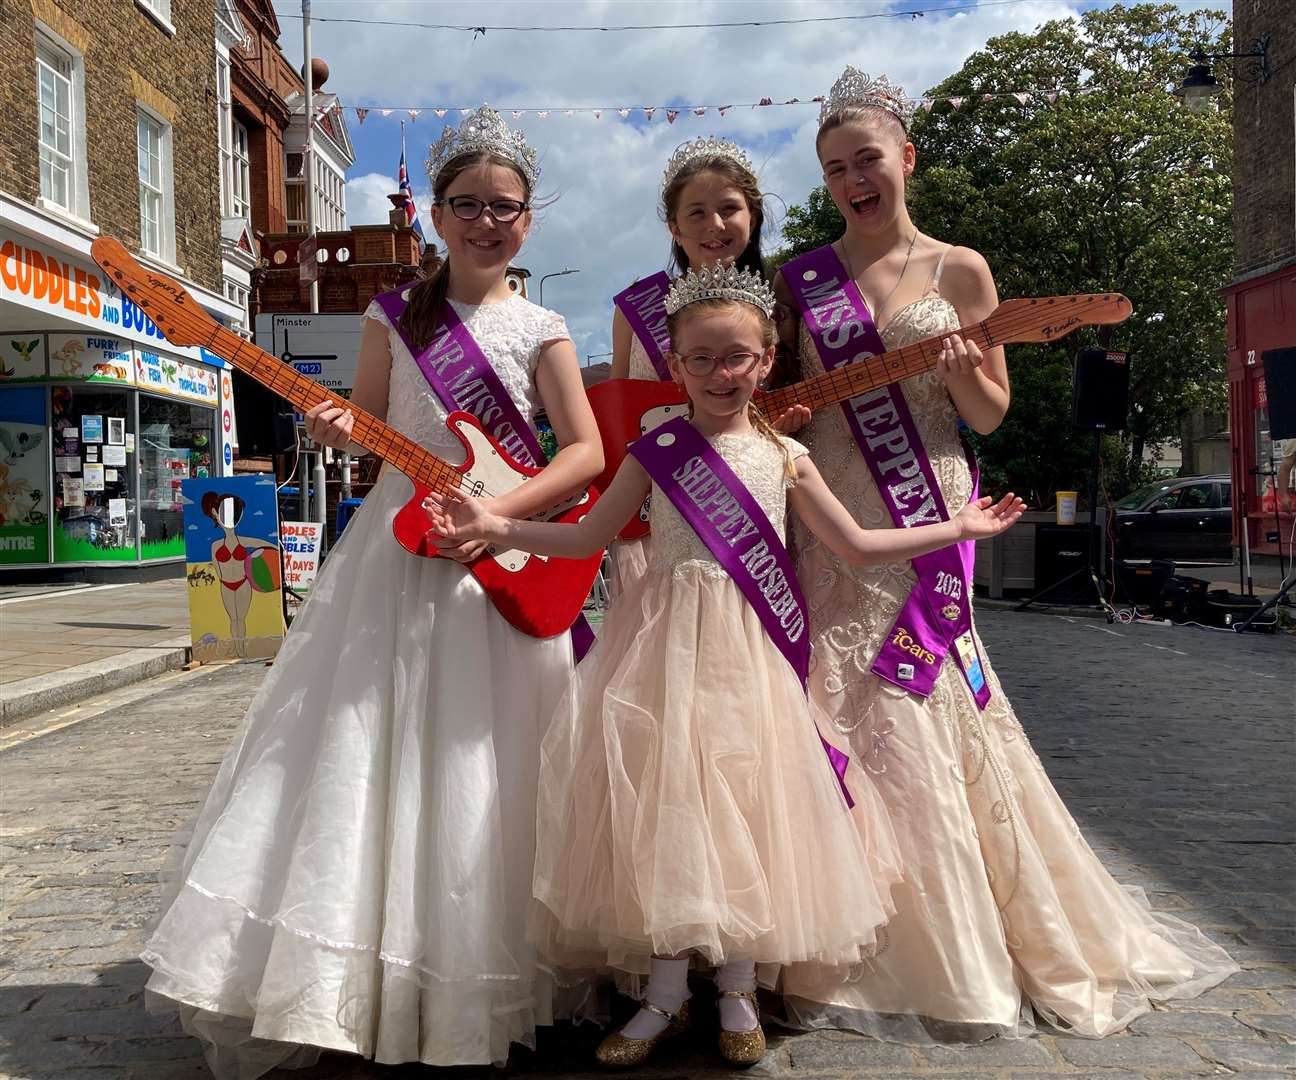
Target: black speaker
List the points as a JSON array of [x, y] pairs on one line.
[[1061, 551], [1100, 392], [1280, 388]]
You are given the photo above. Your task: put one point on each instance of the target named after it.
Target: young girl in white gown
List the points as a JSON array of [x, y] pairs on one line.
[[359, 876], [1004, 912], [687, 806]]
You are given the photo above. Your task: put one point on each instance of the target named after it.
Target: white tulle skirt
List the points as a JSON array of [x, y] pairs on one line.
[[359, 876]]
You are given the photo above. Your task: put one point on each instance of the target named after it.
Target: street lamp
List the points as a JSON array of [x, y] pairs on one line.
[[1199, 85], [595, 356], [540, 286]]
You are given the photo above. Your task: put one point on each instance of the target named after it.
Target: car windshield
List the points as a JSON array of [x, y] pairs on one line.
[[1136, 499]]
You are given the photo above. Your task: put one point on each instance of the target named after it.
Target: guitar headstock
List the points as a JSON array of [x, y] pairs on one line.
[[1048, 318], [177, 314]]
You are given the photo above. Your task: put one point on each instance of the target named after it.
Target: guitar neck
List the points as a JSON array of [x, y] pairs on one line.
[[851, 379], [379, 438]]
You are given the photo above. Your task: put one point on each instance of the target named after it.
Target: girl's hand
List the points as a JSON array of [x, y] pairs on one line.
[[985, 517], [958, 357], [459, 525], [330, 425], [794, 418]]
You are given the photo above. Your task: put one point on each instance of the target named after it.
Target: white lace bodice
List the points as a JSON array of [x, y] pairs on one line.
[[510, 333], [760, 465]]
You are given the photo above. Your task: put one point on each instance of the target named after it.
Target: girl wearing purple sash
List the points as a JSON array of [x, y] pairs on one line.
[[360, 875], [687, 806], [1004, 911], [713, 206]]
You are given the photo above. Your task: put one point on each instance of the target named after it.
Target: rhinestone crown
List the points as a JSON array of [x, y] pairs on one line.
[[483, 129], [856, 90], [722, 281], [704, 148]]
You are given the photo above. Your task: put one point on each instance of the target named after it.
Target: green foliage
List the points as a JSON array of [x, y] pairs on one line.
[[1113, 186]]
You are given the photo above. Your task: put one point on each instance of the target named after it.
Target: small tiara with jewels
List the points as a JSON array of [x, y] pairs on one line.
[[856, 90], [704, 149], [483, 130], [722, 281]]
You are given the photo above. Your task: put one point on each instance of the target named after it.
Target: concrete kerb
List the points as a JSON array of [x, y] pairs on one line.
[[27, 697]]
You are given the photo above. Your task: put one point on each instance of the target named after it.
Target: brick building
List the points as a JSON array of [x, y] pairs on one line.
[[107, 127], [1262, 295]]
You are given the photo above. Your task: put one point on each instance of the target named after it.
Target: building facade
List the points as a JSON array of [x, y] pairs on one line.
[[1262, 295], [106, 128]]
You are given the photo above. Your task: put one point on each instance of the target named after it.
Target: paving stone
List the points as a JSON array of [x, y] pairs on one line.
[[1262, 978], [1128, 1051], [1271, 1023], [1250, 1055], [994, 1052], [840, 1051], [1176, 1022]]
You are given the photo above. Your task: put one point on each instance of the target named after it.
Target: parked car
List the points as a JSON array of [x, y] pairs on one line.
[[1188, 518]]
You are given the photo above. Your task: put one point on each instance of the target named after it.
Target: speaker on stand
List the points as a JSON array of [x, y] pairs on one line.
[[1099, 402]]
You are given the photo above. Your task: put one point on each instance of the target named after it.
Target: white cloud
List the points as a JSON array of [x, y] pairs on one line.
[[605, 172]]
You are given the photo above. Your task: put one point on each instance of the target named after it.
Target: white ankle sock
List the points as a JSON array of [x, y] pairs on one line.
[[737, 1014], [667, 989]]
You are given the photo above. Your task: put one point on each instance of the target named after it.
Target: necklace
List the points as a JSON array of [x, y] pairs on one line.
[[908, 253]]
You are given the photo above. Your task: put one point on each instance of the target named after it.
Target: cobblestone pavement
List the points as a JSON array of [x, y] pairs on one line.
[[1173, 747]]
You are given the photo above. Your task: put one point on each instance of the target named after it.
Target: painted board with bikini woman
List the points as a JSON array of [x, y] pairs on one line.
[[233, 567]]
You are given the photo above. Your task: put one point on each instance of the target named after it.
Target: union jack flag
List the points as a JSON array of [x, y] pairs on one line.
[[411, 211]]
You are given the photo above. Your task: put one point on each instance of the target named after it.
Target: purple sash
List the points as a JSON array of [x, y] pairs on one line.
[[644, 308], [462, 378], [729, 520], [938, 611]]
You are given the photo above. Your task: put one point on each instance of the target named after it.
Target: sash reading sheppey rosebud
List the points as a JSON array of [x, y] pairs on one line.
[[938, 611], [729, 520], [644, 308], [462, 378]]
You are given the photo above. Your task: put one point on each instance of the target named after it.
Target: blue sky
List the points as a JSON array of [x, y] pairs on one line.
[[602, 174]]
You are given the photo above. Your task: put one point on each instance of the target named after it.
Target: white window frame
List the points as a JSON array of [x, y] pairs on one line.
[[160, 12], [241, 173], [292, 224], [225, 134], [55, 57], [158, 191], [330, 202]]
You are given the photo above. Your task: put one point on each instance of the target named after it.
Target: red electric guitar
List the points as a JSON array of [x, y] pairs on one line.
[[628, 408], [540, 596]]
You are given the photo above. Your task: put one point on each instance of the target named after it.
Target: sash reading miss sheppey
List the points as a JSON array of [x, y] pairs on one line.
[[938, 611]]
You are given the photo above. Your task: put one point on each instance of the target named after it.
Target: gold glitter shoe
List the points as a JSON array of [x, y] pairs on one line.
[[743, 1048], [618, 1052]]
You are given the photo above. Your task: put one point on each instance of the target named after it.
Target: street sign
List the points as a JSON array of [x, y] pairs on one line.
[[307, 260], [324, 347]]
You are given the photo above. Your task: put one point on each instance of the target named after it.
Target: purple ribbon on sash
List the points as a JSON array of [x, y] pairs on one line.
[[644, 308], [462, 378], [729, 520], [938, 611]]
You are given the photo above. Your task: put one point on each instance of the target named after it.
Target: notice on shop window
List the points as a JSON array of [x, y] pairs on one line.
[[115, 456], [93, 475]]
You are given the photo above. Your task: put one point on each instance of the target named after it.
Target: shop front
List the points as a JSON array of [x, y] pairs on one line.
[[100, 422], [1261, 326]]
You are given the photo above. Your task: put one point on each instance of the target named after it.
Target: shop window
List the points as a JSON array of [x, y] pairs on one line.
[[177, 442], [24, 476], [94, 477], [157, 220]]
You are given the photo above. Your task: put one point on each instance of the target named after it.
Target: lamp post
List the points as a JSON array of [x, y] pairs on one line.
[[1199, 85], [595, 356], [556, 273]]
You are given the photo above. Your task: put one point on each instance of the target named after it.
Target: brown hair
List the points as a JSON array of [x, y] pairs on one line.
[[744, 181], [418, 320], [675, 323], [869, 114]]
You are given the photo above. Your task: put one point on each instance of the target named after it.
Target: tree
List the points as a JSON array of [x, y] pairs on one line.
[[1111, 185]]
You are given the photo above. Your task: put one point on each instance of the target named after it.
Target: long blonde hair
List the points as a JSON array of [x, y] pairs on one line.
[[674, 323]]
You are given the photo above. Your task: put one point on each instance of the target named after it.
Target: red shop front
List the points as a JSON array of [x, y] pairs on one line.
[[1261, 319]]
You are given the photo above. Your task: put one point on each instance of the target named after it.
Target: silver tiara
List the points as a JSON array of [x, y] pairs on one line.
[[483, 130], [722, 281], [856, 90], [705, 148]]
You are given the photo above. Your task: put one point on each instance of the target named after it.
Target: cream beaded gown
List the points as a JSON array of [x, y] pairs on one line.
[[360, 875], [686, 802], [1003, 906]]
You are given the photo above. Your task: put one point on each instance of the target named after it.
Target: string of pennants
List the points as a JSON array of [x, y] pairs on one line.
[[674, 112]]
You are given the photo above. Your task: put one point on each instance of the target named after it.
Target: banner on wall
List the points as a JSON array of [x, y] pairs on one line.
[[165, 373], [24, 476], [91, 357], [233, 566], [22, 356]]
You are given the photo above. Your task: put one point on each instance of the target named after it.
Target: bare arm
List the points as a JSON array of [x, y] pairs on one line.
[[581, 457], [620, 345], [829, 520], [977, 383], [459, 518]]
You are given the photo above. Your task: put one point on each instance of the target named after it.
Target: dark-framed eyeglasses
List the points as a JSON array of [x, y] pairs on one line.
[[468, 208], [737, 363]]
